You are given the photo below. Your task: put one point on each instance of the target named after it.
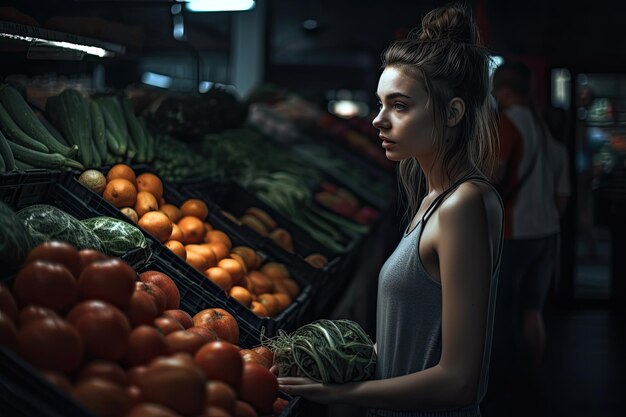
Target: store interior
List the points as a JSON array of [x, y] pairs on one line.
[[282, 71]]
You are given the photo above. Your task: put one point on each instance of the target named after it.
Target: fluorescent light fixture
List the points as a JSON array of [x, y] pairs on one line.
[[348, 108], [156, 80], [91, 50], [561, 85], [205, 86], [219, 5]]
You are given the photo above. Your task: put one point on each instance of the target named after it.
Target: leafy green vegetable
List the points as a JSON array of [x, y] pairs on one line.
[[117, 236], [46, 222], [15, 240], [327, 351]]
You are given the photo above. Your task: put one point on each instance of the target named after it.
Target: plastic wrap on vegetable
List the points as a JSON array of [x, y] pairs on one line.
[[46, 222], [117, 236], [327, 351]]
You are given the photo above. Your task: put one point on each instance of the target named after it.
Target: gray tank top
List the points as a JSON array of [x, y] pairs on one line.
[[408, 316]]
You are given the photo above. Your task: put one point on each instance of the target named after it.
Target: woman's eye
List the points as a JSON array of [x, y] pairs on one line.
[[399, 106]]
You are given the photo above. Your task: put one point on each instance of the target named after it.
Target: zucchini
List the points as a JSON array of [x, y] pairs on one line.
[[150, 141], [16, 134], [6, 153], [98, 129], [53, 130], [74, 120], [135, 130], [112, 126], [3, 167], [27, 120], [23, 165], [43, 160], [96, 159]]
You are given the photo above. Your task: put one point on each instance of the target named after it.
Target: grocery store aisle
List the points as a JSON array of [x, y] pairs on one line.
[[584, 372]]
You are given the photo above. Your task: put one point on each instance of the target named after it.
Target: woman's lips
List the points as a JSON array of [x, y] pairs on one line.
[[386, 142]]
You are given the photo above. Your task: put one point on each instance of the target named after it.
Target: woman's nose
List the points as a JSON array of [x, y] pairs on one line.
[[379, 121]]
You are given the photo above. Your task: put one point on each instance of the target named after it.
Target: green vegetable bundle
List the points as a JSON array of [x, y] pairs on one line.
[[117, 236], [327, 351]]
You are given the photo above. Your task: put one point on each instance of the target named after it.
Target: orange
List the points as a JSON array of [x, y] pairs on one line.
[[151, 183], [205, 251], [157, 224], [221, 251], [220, 277], [293, 289], [195, 207], [274, 270], [197, 261], [130, 213], [122, 171], [120, 192], [172, 212], [249, 255], [177, 234], [271, 304], [192, 228], [233, 267], [283, 299], [261, 282], [145, 203], [239, 259], [213, 236], [241, 294], [259, 309], [177, 247]]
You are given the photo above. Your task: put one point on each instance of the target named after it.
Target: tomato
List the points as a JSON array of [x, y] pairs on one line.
[[8, 331], [220, 361], [243, 409], [175, 383], [182, 316], [111, 280], [51, 343], [213, 411], [141, 309], [220, 394], [134, 373], [168, 325], [166, 284], [32, 313], [103, 327], [265, 352], [108, 370], [88, 256], [220, 320], [58, 379], [258, 387], [7, 303], [250, 356], [134, 393], [184, 341], [279, 405], [151, 410], [209, 335], [102, 397], [47, 285], [157, 294], [57, 253], [144, 344]]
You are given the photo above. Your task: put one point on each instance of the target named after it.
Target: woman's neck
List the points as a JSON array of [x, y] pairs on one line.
[[437, 179]]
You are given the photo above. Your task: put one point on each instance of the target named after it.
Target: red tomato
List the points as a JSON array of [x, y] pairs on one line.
[[250, 356], [213, 411], [258, 387], [144, 344], [51, 343], [141, 309], [151, 410], [58, 379], [8, 331], [112, 280], [220, 361], [159, 298], [88, 256], [265, 352], [133, 374], [182, 316], [102, 397], [220, 320], [168, 325], [220, 394], [184, 341], [279, 405], [7, 303], [103, 327], [135, 394], [47, 285], [174, 383], [108, 370], [166, 284], [32, 313], [209, 335], [57, 253], [243, 409]]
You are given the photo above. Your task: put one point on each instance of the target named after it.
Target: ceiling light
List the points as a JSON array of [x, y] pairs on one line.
[[219, 5]]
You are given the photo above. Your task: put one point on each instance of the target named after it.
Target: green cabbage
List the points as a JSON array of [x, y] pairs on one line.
[[15, 240], [117, 236]]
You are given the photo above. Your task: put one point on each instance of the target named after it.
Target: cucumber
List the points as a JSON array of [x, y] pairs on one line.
[[150, 142], [43, 160], [53, 130], [23, 165], [16, 134], [3, 167], [98, 129], [6, 153], [25, 118], [112, 126], [74, 120], [135, 130]]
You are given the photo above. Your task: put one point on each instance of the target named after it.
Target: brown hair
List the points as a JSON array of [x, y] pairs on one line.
[[446, 54]]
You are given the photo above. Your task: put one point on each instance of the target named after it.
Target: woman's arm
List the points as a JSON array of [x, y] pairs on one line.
[[465, 258]]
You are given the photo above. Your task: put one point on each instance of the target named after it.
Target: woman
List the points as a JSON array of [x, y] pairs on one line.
[[436, 292]]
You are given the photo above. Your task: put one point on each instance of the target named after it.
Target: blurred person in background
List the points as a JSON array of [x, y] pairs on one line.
[[533, 179], [436, 292]]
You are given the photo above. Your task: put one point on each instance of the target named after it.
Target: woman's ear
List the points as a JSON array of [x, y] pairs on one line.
[[456, 111]]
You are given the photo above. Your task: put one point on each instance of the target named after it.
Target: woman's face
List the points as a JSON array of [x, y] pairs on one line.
[[404, 121]]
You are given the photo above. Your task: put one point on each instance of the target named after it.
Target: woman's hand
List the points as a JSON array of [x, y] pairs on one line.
[[309, 389]]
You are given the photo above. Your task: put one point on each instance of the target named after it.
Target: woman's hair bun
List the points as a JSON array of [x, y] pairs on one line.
[[450, 23]]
